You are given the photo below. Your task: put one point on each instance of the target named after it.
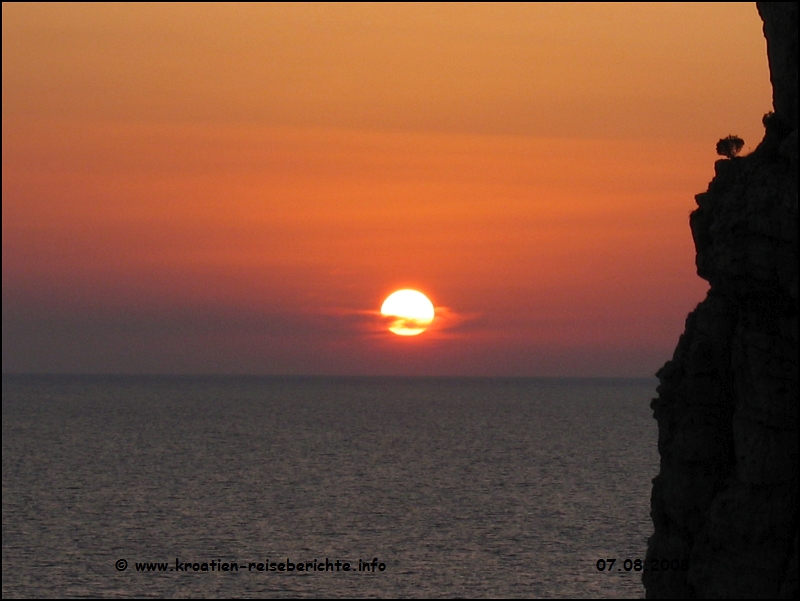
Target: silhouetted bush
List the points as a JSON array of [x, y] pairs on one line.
[[730, 146]]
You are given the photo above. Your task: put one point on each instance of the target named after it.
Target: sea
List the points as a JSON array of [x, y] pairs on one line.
[[292, 487]]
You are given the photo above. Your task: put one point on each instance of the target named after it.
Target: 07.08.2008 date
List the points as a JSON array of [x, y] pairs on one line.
[[638, 565]]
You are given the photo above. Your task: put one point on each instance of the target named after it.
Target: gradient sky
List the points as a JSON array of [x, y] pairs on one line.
[[234, 188]]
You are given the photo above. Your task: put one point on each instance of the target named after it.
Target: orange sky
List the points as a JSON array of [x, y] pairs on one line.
[[236, 188]]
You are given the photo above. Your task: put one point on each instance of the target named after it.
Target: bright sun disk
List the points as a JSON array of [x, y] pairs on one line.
[[412, 312]]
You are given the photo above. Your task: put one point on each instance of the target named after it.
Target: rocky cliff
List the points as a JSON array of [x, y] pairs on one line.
[[726, 495]]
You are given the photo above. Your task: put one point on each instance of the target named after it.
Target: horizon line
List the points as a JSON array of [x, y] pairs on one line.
[[309, 376]]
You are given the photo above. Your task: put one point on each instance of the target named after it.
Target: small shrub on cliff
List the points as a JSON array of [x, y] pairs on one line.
[[730, 146]]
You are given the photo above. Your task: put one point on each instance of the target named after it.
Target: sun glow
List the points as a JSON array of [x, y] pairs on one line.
[[412, 312]]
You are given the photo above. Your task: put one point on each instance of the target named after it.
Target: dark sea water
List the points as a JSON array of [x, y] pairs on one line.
[[459, 487]]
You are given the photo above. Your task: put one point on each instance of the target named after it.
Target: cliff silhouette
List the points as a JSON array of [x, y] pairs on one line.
[[726, 495]]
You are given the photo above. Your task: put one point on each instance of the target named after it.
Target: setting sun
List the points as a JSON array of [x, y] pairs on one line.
[[412, 312]]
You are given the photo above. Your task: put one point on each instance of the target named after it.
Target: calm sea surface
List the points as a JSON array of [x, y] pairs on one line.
[[459, 487]]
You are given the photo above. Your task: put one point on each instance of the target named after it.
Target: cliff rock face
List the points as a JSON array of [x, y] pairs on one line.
[[726, 495]]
